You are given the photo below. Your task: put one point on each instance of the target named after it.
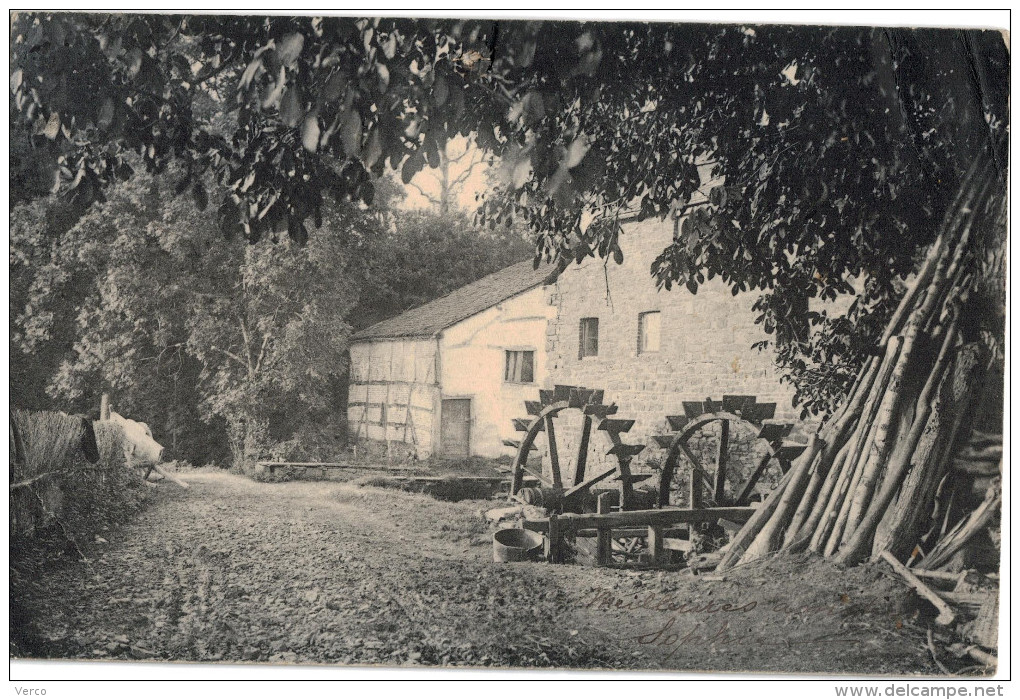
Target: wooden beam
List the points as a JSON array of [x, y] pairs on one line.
[[570, 523], [743, 498], [552, 541], [585, 485], [554, 457], [667, 532], [582, 451], [719, 492], [736, 402], [335, 465], [561, 392], [625, 451], [604, 546], [693, 409], [580, 397], [600, 410], [677, 422], [523, 425], [664, 441], [541, 477], [615, 425], [946, 614], [655, 545], [774, 432]]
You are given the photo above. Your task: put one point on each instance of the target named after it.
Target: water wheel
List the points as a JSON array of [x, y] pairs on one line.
[[714, 485], [568, 483]]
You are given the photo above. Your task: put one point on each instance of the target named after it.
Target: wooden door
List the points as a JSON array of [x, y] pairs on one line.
[[455, 439]]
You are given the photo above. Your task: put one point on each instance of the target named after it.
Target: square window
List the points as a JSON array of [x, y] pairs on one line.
[[649, 325], [520, 366], [589, 338]]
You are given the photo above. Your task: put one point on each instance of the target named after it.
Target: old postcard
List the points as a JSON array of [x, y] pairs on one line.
[[506, 343]]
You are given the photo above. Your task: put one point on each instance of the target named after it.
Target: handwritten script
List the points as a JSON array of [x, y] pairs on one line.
[[669, 622]]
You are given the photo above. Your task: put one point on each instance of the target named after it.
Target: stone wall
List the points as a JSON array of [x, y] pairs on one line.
[[705, 344]]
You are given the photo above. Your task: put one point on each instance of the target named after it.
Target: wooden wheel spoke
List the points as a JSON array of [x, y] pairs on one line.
[[541, 477], [554, 457], [585, 485], [699, 479], [582, 451], [719, 490], [743, 498]]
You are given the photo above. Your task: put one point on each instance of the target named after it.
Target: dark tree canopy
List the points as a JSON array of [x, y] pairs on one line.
[[795, 160]]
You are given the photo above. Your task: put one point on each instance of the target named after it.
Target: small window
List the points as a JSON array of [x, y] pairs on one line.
[[589, 342], [520, 366], [648, 331]]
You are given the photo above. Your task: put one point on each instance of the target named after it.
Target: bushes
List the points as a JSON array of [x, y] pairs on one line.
[[57, 494]]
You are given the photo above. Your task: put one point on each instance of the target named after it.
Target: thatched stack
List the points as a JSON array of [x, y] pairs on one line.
[[54, 485]]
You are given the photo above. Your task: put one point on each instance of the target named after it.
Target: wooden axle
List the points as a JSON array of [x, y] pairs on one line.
[[570, 523]]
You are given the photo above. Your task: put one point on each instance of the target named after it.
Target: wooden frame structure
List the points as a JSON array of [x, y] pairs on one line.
[[594, 416], [654, 524], [647, 535]]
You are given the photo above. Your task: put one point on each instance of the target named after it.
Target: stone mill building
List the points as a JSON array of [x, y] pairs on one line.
[[449, 377]]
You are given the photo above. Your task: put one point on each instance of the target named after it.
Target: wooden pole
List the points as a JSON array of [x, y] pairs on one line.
[[604, 546], [104, 407], [655, 544], [552, 551], [719, 492], [946, 615]]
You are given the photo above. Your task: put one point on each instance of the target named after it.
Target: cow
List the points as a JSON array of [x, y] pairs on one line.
[[140, 448]]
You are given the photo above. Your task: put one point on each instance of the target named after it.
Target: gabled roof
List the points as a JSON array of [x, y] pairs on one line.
[[427, 320]]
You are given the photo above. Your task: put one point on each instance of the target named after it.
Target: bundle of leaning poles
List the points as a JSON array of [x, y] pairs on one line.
[[868, 478]]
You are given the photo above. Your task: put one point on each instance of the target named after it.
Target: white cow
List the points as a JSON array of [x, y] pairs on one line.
[[140, 448]]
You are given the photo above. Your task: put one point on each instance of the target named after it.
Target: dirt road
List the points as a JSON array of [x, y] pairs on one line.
[[319, 572]]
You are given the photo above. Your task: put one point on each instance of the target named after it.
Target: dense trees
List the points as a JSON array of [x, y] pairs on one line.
[[800, 163], [805, 160], [218, 343]]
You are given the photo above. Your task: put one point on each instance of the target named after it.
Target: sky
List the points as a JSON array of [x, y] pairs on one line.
[[428, 179]]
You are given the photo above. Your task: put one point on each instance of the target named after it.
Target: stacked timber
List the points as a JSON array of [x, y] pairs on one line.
[[867, 481]]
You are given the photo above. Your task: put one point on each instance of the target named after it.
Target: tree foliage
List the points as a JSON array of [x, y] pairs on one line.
[[219, 344], [797, 161], [179, 325], [425, 254]]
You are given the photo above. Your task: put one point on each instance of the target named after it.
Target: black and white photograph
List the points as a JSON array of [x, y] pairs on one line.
[[446, 344]]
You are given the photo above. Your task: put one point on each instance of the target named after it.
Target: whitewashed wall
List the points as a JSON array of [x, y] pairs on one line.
[[390, 380], [472, 362], [389, 375]]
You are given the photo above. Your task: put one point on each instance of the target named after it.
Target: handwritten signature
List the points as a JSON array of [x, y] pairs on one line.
[[672, 636]]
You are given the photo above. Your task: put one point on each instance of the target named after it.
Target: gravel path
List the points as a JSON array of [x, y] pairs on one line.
[[318, 572]]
